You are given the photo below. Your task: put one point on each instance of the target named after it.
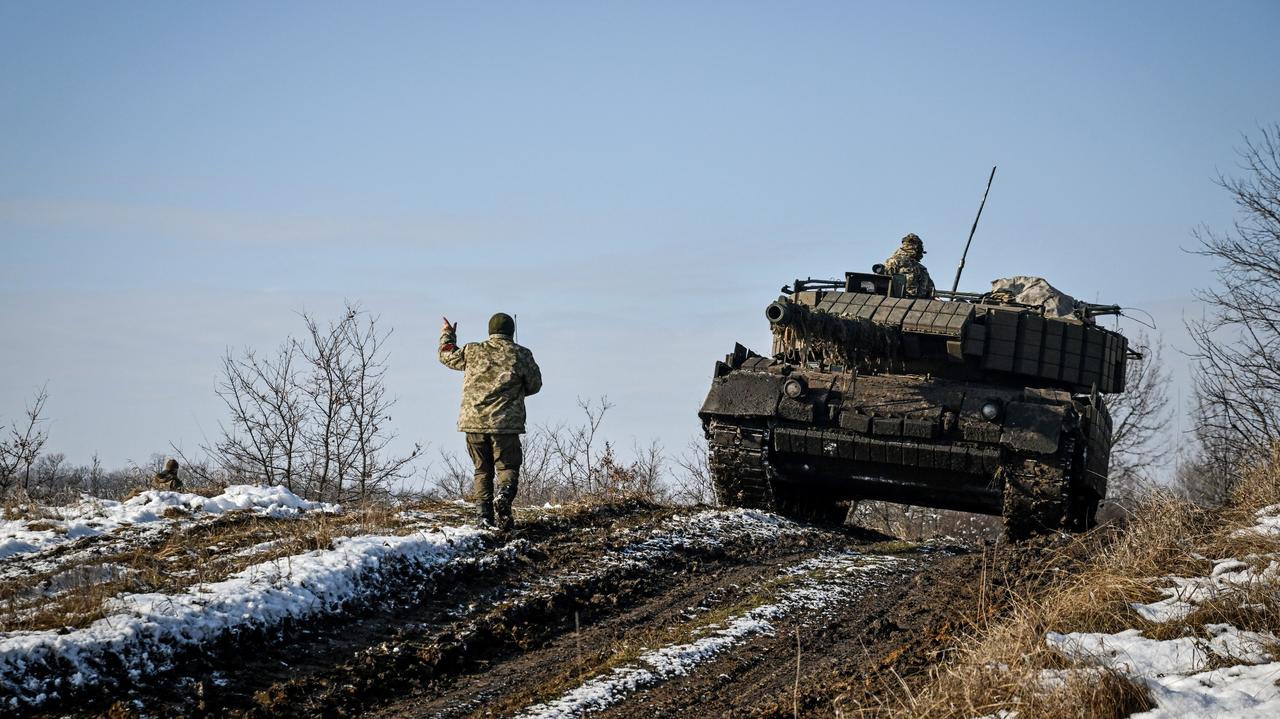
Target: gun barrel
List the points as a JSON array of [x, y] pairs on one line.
[[779, 313]]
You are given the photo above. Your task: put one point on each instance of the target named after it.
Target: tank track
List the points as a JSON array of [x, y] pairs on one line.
[[1037, 494], [739, 462]]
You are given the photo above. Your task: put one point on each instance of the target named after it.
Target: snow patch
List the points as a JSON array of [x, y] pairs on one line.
[[1268, 524], [91, 517], [1187, 593]]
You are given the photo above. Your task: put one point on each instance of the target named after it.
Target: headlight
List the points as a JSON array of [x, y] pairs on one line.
[[991, 410], [793, 388]]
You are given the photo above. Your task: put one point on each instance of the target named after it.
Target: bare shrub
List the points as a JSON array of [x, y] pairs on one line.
[[575, 469], [565, 462], [454, 480], [691, 482]]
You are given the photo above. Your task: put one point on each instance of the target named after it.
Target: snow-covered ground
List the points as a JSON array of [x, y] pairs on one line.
[[92, 517], [1217, 670], [143, 634]]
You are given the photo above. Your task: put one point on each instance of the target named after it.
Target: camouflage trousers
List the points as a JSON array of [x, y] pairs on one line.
[[500, 455]]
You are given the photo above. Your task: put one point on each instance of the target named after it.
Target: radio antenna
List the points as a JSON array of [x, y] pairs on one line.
[[955, 285]]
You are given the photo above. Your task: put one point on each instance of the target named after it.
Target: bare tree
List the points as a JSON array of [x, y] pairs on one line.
[[1237, 351], [327, 434], [316, 416], [21, 446], [267, 415], [50, 476], [363, 370], [1139, 417]]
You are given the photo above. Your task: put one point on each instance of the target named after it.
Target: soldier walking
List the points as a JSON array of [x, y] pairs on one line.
[[497, 375], [906, 261]]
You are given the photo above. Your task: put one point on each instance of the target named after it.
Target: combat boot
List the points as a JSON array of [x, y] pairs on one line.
[[506, 522], [503, 508], [484, 516]]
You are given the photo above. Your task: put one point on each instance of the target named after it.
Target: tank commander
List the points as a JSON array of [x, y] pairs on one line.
[[167, 478], [906, 261], [497, 375]]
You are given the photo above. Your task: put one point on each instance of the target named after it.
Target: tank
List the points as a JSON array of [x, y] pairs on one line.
[[959, 401]]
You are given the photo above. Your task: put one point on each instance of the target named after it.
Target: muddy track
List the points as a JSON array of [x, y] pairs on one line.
[[226, 678], [625, 611], [568, 584]]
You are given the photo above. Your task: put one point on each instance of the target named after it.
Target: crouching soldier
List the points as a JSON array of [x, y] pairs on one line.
[[167, 478], [497, 375]]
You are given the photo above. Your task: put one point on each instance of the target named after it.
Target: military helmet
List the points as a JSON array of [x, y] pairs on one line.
[[170, 465], [502, 324], [913, 241]]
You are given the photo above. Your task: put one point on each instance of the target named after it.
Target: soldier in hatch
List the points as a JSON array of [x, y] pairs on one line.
[[167, 478], [906, 261], [497, 375]]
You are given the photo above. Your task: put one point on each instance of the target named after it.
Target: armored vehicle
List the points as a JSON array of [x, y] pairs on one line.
[[960, 401]]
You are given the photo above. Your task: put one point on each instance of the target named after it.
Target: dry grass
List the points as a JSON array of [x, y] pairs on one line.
[[1002, 664]]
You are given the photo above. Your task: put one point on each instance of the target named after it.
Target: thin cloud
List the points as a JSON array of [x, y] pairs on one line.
[[198, 225]]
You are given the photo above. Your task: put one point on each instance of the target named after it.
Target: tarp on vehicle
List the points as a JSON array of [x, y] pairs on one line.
[[1036, 291]]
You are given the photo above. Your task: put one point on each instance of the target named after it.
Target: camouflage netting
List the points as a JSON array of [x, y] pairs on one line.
[[836, 340], [1037, 292]]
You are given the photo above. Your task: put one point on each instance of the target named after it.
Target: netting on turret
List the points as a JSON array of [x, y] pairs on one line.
[[817, 336]]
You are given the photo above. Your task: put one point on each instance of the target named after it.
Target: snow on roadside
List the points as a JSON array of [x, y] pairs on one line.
[[831, 579], [1225, 672], [93, 517], [1187, 593], [142, 633]]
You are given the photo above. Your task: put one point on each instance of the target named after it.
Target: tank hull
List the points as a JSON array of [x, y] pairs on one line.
[[806, 442]]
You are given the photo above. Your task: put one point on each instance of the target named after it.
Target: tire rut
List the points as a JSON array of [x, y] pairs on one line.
[[595, 581]]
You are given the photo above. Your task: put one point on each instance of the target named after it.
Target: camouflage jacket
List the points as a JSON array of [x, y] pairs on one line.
[[166, 480], [919, 284], [497, 375]]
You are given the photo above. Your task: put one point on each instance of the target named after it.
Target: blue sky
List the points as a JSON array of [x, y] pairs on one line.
[[635, 180]]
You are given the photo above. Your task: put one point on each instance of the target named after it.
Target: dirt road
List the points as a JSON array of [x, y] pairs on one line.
[[629, 611]]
